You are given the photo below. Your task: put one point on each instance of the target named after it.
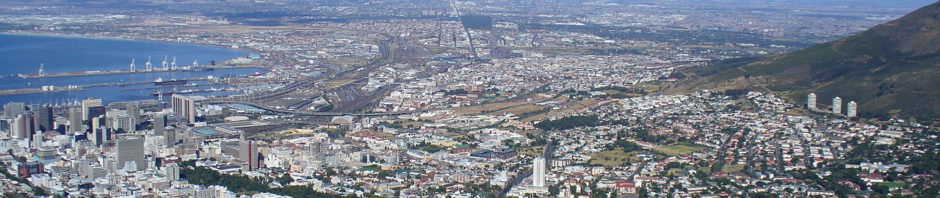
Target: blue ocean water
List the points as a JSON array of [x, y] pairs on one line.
[[22, 54]]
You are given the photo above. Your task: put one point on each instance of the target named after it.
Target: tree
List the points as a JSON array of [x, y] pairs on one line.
[[285, 179]]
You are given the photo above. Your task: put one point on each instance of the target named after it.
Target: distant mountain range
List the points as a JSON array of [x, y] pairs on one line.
[[891, 70]]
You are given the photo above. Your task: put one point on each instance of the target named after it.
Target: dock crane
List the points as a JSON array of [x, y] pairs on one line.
[[133, 67], [164, 64], [148, 65]]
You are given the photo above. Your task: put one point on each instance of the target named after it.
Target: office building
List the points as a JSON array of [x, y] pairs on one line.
[[87, 106], [851, 109], [46, 120], [37, 140], [172, 172], [123, 121], [837, 105], [22, 126], [100, 132], [538, 172], [76, 121], [12, 109], [130, 149], [248, 153], [159, 123], [185, 107], [170, 136]]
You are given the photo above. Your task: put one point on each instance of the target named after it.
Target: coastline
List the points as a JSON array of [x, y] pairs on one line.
[[80, 36]]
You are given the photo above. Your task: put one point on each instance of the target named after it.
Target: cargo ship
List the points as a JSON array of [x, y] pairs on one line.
[[161, 82]]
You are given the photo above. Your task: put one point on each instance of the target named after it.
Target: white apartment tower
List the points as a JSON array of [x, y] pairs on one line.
[[538, 172], [811, 101], [837, 105], [851, 109]]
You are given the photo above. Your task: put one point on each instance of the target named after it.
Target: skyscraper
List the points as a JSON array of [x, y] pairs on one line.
[[811, 101], [248, 152], [95, 112], [538, 172], [76, 121], [837, 105], [170, 136], [12, 109], [185, 107], [131, 149], [22, 126], [851, 109], [46, 120], [159, 124], [87, 105], [100, 132]]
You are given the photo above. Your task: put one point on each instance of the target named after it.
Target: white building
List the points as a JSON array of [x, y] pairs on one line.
[[185, 107], [851, 109], [811, 101], [538, 172], [837, 105]]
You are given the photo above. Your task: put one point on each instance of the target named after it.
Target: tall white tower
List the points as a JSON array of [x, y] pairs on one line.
[[811, 101], [851, 109], [42, 72], [538, 172], [837, 105]]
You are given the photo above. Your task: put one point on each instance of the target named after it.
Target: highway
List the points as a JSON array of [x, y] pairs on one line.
[[304, 113]]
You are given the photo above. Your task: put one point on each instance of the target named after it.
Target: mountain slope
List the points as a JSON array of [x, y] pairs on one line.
[[891, 70]]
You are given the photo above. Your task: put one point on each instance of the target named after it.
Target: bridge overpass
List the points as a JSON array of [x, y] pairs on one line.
[[306, 113]]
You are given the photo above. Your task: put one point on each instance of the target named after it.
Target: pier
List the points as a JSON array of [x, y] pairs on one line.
[[53, 89], [113, 72]]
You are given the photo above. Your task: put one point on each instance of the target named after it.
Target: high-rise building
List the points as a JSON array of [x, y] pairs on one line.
[[170, 136], [95, 112], [131, 149], [134, 111], [86, 108], [538, 172], [159, 124], [100, 132], [248, 153], [76, 121], [37, 140], [12, 109], [837, 105], [851, 109], [46, 120], [811, 101], [121, 120], [23, 126], [184, 107], [172, 172]]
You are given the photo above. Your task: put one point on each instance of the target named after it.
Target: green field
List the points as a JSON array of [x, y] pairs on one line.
[[679, 149], [732, 168], [613, 158], [892, 184]]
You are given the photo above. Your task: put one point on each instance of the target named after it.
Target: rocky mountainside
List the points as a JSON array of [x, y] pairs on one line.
[[891, 70]]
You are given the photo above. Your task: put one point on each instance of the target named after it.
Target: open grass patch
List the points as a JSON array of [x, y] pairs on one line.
[[732, 168], [613, 158], [679, 149]]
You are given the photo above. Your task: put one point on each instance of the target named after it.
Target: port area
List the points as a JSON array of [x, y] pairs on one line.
[[53, 89], [113, 72]]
